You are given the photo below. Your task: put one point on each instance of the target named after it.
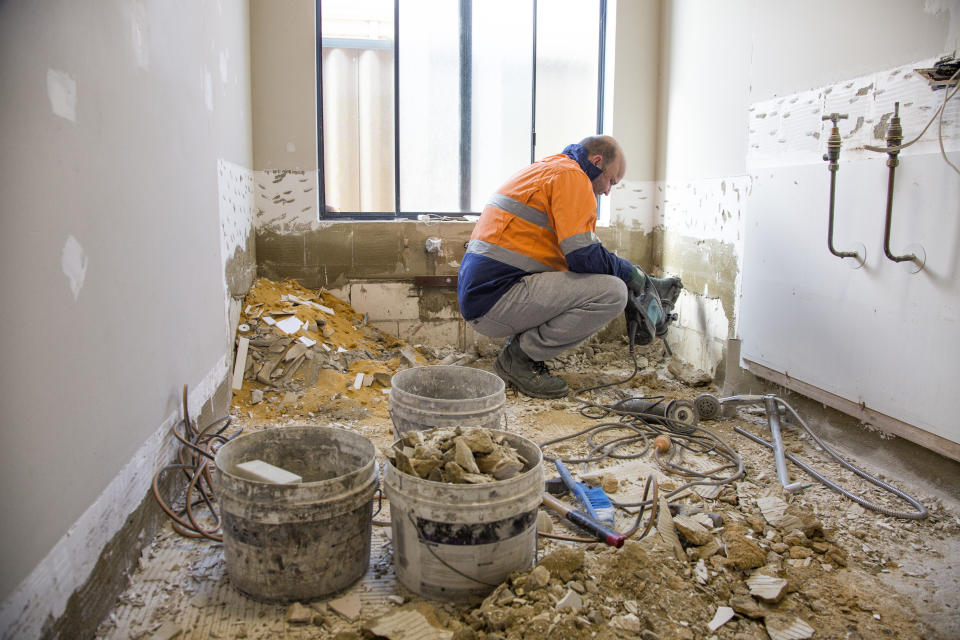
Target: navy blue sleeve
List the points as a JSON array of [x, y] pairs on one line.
[[595, 259]]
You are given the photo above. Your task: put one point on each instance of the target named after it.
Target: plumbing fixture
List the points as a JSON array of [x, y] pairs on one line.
[[894, 138], [833, 157], [710, 406]]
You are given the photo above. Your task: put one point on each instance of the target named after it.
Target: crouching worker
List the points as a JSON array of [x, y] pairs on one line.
[[535, 271]]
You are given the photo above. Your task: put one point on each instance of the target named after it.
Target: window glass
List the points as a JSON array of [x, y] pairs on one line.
[[567, 45], [358, 96], [429, 106], [501, 119], [465, 101]]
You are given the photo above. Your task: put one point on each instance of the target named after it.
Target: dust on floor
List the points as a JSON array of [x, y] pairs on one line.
[[777, 566]]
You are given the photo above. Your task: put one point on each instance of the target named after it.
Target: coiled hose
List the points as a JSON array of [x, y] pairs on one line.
[[197, 450]]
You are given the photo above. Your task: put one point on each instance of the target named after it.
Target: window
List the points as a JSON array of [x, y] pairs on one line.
[[427, 106]]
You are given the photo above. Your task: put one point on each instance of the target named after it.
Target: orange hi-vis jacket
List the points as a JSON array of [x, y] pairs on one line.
[[543, 219]]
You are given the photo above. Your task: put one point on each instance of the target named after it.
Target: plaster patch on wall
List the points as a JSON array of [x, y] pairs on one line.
[[632, 205], [790, 130], [235, 186], [73, 261], [224, 65], [206, 86], [135, 13], [286, 201], [62, 92], [43, 595]]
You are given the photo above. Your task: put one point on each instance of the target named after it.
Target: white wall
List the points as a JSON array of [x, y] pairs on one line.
[[794, 309], [115, 117]]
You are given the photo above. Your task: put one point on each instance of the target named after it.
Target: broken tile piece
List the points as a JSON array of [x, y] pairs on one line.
[[766, 587], [773, 509], [261, 471], [348, 605], [784, 627], [291, 324], [407, 625], [720, 618]]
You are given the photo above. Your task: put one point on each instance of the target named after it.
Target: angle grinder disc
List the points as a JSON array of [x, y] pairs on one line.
[[683, 412], [708, 405]]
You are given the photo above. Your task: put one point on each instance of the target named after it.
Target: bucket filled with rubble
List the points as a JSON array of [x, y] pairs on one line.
[[297, 510], [463, 508], [446, 396]]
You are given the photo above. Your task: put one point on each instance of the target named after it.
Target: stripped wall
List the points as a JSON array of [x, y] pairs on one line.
[[126, 129]]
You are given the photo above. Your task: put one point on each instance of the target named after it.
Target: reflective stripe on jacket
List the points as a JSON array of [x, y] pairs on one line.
[[543, 219]]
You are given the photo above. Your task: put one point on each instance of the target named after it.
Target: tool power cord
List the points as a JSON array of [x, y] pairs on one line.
[[641, 426]]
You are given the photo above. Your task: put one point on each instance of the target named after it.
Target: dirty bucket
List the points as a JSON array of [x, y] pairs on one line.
[[285, 542], [446, 396], [458, 541]]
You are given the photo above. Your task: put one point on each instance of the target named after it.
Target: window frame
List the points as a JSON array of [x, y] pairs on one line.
[[466, 88]]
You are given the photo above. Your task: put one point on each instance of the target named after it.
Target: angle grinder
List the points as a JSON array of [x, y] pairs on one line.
[[680, 416]]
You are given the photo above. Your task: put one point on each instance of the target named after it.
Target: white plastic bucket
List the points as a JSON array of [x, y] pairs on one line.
[[459, 541], [446, 396]]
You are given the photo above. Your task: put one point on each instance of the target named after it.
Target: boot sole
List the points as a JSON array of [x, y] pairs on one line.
[[508, 380]]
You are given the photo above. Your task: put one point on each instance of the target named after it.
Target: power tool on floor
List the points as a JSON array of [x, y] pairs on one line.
[[650, 312]]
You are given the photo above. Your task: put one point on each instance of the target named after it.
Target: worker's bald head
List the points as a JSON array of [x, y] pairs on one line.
[[608, 148], [605, 153]]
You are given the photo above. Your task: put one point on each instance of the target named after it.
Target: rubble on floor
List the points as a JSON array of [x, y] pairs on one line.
[[740, 561]]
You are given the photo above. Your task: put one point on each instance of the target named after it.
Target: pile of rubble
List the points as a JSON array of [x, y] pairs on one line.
[[301, 350], [470, 456]]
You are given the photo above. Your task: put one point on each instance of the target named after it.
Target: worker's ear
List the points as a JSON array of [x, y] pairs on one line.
[[596, 160]]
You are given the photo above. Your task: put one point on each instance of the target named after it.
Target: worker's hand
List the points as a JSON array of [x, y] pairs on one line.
[[637, 281]]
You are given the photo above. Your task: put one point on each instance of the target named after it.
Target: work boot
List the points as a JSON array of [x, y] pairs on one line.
[[530, 377]]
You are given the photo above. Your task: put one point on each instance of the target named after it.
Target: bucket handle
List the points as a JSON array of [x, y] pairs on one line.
[[429, 546]]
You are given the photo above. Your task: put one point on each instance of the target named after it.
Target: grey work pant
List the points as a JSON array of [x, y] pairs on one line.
[[554, 311]]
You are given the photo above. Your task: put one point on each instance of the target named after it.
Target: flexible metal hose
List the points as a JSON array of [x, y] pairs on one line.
[[921, 511]]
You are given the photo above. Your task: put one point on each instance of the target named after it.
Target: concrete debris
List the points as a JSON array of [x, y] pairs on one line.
[[459, 456], [746, 606], [298, 613], [544, 523], [785, 627], [571, 601], [694, 532], [742, 552], [688, 374], [626, 626], [537, 579]]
